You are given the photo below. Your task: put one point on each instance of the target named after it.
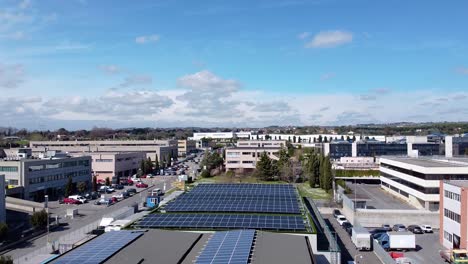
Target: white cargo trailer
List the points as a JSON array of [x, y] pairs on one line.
[[361, 238]]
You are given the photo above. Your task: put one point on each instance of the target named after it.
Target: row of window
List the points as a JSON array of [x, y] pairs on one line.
[[103, 160], [426, 176], [451, 195], [8, 169], [57, 177], [411, 185], [452, 215], [448, 236]]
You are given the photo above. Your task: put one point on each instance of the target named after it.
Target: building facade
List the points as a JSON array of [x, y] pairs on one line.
[[2, 199], [262, 143], [245, 156], [160, 148], [39, 177], [456, 145], [453, 231], [356, 163], [185, 147], [417, 180], [108, 164]]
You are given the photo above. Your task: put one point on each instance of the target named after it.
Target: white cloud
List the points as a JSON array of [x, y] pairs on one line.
[[135, 80], [11, 75], [147, 39], [303, 35], [330, 39]]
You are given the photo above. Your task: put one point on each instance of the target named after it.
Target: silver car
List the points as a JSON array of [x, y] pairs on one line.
[[399, 228]]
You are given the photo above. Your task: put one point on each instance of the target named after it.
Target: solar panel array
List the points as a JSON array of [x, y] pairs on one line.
[[224, 221], [230, 247], [258, 198], [99, 249]]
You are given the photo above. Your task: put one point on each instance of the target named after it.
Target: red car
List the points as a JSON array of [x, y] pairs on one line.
[[70, 201], [101, 181], [141, 185]]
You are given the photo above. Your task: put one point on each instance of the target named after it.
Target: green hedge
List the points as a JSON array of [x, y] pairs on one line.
[[356, 173]]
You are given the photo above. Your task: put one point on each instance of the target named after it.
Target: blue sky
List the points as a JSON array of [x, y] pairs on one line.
[[84, 63]]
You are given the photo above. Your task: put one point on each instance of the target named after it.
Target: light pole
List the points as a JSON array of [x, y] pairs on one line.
[[46, 203]]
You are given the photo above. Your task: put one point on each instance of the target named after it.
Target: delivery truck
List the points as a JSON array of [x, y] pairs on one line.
[[361, 238], [455, 256], [398, 241]]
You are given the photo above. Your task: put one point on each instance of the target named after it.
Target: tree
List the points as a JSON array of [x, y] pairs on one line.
[[143, 167], [94, 183], [108, 183], [156, 164], [325, 140], [3, 231], [294, 139], [169, 161], [299, 140], [6, 260], [347, 138], [320, 138], [342, 137], [283, 158], [149, 166], [69, 187], [354, 138], [315, 140], [205, 174], [39, 219], [264, 167], [82, 187]]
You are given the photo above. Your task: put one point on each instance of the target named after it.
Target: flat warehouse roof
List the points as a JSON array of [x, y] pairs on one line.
[[458, 183], [280, 248], [431, 163]]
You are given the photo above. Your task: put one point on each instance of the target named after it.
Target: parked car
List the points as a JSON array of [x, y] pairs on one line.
[[79, 198], [121, 196], [378, 231], [117, 186], [141, 185], [399, 228], [91, 196], [426, 228], [415, 229], [131, 191], [341, 219], [70, 201], [346, 225], [387, 227], [336, 213]]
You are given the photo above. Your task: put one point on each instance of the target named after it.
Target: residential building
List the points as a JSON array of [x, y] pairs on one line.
[[160, 148], [110, 164], [416, 180], [242, 159], [2, 199], [185, 147], [453, 231], [39, 177]]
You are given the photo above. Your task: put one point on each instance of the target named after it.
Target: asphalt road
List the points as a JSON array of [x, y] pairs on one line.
[[348, 250], [88, 214], [379, 199], [427, 250]]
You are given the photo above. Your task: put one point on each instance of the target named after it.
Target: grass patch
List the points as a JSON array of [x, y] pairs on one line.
[[315, 193]]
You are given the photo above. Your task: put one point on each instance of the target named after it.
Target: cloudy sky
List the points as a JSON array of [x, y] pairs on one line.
[[166, 63]]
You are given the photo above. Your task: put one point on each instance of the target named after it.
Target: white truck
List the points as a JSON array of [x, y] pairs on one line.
[[398, 241], [361, 238]]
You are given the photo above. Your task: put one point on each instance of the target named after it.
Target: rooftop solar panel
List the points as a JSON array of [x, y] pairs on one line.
[[99, 249], [223, 221], [231, 247]]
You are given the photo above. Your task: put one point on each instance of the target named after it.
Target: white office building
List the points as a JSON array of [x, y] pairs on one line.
[[417, 180]]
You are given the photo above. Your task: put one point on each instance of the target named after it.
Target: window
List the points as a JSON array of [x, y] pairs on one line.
[[451, 215], [106, 160], [447, 236], [247, 161], [36, 167], [233, 161], [8, 169], [451, 195], [12, 182], [53, 166], [245, 153]]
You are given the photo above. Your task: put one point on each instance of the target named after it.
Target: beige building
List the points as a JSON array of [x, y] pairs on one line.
[[242, 159], [262, 143], [185, 147], [110, 164], [161, 148]]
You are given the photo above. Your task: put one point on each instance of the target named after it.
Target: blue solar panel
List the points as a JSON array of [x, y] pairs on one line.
[[99, 249], [224, 221], [260, 198], [231, 247]]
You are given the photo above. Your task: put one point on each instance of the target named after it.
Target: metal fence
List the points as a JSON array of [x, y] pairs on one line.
[[381, 253], [335, 251]]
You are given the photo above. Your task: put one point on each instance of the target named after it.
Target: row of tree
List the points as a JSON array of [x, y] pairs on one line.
[[211, 161], [318, 169]]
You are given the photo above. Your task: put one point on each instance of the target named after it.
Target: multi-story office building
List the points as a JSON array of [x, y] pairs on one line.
[[2, 199], [185, 147], [456, 145], [160, 148], [453, 231], [262, 143], [245, 156], [316, 138], [417, 180], [109, 164], [39, 177], [220, 135]]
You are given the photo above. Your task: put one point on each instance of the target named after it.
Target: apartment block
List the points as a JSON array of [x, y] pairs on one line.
[[185, 147], [417, 180], [110, 164], [38, 177], [152, 148], [453, 231]]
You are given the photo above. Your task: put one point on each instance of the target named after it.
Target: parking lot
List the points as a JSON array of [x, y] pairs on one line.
[[428, 248], [378, 198]]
